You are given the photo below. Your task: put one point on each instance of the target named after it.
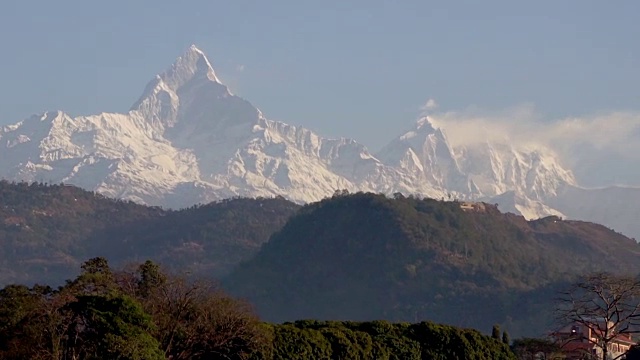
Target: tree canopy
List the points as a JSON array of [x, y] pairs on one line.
[[142, 314]]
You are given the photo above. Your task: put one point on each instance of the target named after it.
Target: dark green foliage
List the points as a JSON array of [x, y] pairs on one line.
[[495, 332], [22, 319], [148, 314], [381, 340], [144, 315], [151, 278], [365, 256], [47, 230], [304, 343], [505, 338], [89, 318], [95, 278], [112, 327]]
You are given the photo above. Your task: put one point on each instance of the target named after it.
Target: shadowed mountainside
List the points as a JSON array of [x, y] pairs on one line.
[[46, 231], [350, 257], [365, 256]]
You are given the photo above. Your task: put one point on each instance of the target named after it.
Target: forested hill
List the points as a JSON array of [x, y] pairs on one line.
[[350, 257], [46, 231], [365, 256]]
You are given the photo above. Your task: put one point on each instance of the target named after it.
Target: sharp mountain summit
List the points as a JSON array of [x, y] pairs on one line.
[[189, 140]]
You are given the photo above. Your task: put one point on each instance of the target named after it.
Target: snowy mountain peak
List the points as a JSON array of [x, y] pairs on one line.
[[194, 48], [188, 140], [497, 168], [190, 84], [424, 153], [193, 63], [424, 123], [423, 128]]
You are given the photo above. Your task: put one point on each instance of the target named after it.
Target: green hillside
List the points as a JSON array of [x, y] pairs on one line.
[[47, 230], [357, 257], [365, 257]]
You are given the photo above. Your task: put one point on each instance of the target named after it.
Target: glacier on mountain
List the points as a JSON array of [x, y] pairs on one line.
[[189, 140]]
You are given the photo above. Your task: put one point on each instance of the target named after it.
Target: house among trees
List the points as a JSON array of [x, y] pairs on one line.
[[584, 341], [473, 206]]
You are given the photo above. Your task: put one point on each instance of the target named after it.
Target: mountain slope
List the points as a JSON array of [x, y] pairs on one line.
[[365, 257], [189, 140], [47, 231], [614, 206], [484, 171], [522, 179], [424, 152]]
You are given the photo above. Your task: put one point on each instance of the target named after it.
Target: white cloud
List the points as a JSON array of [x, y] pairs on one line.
[[430, 104], [239, 68], [599, 146]]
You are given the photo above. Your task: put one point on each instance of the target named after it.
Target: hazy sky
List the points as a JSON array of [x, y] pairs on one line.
[[361, 69]]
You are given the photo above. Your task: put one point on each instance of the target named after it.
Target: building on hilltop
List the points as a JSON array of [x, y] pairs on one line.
[[473, 206], [583, 341]]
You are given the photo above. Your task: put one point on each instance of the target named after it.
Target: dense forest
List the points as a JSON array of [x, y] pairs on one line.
[[47, 230], [146, 313], [366, 256], [355, 257]]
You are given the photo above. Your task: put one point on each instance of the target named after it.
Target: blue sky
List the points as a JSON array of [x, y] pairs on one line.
[[360, 69]]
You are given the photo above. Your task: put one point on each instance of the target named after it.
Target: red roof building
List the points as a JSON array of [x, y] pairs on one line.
[[582, 341]]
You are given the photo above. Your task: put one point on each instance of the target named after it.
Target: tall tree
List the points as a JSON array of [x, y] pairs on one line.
[[111, 327], [607, 304], [96, 278], [505, 338], [495, 332], [194, 319]]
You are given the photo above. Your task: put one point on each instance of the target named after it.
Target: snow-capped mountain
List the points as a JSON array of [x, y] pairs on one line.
[[424, 154], [518, 179], [497, 168], [189, 140]]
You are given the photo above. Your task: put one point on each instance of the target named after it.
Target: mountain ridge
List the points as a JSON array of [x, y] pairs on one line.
[[189, 140], [46, 231], [366, 256], [352, 256]]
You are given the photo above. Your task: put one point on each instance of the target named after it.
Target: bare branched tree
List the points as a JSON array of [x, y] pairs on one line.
[[607, 304], [194, 319]]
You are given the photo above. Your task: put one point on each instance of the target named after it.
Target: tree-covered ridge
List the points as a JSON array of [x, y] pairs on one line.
[[351, 257], [381, 340], [146, 313], [366, 256], [45, 231]]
